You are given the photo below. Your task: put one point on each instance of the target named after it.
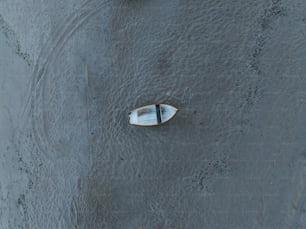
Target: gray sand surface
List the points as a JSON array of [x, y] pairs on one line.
[[233, 157]]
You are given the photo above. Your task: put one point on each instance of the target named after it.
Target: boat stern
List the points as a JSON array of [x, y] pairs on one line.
[[132, 117]]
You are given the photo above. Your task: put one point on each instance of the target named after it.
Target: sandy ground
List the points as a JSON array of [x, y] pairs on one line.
[[233, 157]]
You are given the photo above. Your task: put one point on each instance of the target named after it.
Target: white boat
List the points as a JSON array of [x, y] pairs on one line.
[[152, 115]]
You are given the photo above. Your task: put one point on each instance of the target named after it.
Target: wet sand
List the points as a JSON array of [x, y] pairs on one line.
[[233, 157]]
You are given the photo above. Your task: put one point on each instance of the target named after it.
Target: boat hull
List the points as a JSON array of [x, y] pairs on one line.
[[152, 115]]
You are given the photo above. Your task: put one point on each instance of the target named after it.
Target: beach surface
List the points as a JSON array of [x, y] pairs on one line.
[[233, 157]]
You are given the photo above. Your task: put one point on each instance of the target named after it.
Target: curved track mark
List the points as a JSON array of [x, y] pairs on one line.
[[46, 56]]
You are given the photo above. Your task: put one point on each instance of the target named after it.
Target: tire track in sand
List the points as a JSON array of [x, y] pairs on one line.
[[45, 58]]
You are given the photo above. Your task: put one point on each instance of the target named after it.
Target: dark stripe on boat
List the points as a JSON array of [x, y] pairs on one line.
[[158, 113]]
